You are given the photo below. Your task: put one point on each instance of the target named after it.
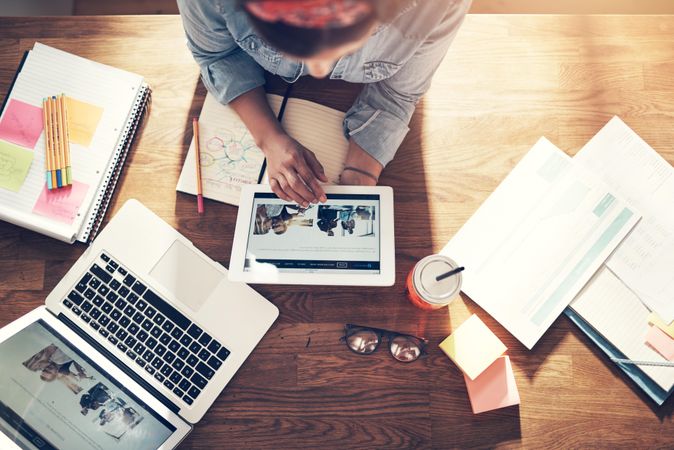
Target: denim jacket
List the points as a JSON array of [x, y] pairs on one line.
[[396, 63]]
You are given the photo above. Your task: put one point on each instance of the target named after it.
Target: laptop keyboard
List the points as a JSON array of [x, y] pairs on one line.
[[146, 329]]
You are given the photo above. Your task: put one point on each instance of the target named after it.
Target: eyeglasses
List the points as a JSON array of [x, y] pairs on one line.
[[365, 340]]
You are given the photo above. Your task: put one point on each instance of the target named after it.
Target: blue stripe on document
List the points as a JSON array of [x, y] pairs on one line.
[[606, 237]]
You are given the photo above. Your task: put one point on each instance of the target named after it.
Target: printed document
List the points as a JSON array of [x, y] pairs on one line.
[[538, 238], [642, 177]]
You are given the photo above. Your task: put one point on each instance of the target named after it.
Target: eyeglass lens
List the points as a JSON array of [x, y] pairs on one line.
[[363, 341], [404, 349]]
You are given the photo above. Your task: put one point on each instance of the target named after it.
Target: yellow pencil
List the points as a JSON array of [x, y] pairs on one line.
[[52, 147], [57, 137], [66, 139], [60, 148], [47, 143]]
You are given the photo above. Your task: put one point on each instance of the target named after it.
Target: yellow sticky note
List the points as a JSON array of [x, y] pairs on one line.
[[473, 347], [15, 163], [83, 120], [655, 320]]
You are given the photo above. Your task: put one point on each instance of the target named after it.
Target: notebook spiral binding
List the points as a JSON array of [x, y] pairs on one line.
[[107, 189]]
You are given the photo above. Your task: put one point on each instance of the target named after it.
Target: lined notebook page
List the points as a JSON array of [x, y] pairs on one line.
[[618, 314], [48, 71], [319, 129]]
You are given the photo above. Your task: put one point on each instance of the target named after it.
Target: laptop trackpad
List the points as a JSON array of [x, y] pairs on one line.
[[184, 273]]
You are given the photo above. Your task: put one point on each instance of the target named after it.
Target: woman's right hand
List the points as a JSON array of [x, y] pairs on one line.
[[294, 171]]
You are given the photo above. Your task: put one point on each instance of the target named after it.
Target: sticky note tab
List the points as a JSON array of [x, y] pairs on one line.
[[654, 319], [473, 347], [661, 342], [21, 124], [61, 204], [83, 120], [14, 165], [495, 387]]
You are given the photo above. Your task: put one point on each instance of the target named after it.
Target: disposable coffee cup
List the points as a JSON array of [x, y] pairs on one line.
[[425, 291]]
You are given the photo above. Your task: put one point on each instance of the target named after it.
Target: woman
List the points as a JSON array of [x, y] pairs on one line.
[[393, 46]]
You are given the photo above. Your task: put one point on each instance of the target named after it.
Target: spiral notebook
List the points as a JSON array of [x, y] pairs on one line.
[[105, 108]]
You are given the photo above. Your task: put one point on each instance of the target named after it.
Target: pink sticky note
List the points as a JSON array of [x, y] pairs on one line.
[[61, 204], [21, 124], [661, 342], [494, 388]]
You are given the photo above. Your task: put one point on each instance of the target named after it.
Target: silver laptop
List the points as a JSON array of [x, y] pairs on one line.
[[133, 345]]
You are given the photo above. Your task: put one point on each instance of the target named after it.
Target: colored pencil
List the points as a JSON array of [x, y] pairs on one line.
[[52, 146], [200, 194], [47, 149], [56, 137], [63, 141], [60, 146], [66, 138]]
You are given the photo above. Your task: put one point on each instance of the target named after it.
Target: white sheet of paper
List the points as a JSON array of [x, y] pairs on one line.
[[537, 239], [617, 313], [641, 176]]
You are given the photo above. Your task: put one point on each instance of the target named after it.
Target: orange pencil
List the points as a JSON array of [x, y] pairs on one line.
[[52, 152], [64, 144], [55, 140], [47, 144], [200, 194], [59, 143]]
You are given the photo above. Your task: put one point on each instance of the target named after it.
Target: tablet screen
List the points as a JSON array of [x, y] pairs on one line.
[[341, 235]]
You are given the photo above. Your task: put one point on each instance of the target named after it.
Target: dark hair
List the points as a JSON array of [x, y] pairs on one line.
[[305, 42]]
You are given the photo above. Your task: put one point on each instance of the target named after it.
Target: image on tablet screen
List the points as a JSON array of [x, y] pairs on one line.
[[339, 236]]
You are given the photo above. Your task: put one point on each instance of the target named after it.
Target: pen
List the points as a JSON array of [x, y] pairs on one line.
[[64, 138], [197, 152], [643, 363]]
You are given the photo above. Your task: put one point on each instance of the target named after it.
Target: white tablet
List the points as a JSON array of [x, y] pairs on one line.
[[347, 240]]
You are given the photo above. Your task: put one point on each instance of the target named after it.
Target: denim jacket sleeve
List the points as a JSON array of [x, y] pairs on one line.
[[378, 120], [226, 70]]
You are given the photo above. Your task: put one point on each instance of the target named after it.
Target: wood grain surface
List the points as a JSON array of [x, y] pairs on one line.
[[506, 81]]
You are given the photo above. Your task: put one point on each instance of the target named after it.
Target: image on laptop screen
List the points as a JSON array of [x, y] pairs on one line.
[[339, 236], [54, 397]]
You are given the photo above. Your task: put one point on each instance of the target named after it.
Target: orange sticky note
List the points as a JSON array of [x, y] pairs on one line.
[[83, 119], [473, 347], [495, 387], [661, 342]]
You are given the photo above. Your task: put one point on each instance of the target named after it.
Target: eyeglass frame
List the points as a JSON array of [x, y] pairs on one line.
[[381, 333]]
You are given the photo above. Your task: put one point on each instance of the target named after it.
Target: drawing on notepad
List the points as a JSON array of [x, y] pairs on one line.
[[231, 156]]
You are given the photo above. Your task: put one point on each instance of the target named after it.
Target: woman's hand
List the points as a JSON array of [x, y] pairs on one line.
[[294, 171]]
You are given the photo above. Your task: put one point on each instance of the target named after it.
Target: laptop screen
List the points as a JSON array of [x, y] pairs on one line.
[[53, 397], [338, 236]]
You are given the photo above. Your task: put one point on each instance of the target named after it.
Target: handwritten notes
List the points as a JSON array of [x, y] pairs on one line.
[[14, 165], [83, 119], [21, 124], [494, 388], [661, 342], [473, 347], [61, 204]]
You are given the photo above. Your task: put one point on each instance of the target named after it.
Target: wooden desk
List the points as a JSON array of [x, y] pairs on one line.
[[506, 81]]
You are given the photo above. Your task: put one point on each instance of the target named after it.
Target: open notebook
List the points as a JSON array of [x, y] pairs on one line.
[[230, 158], [105, 106]]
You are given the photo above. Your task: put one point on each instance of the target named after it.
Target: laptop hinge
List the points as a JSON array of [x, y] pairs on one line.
[[105, 352]]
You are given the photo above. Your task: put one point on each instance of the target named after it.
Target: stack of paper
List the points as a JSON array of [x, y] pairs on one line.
[[489, 377], [538, 238]]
